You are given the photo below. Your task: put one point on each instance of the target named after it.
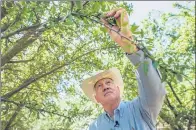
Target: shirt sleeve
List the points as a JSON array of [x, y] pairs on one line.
[[151, 90], [93, 126]]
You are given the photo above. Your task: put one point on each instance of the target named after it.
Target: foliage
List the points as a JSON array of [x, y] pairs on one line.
[[48, 48], [174, 41]]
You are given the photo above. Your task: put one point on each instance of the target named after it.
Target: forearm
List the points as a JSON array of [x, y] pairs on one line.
[[151, 90], [150, 76]]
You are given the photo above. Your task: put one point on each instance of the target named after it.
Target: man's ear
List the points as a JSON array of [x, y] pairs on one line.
[[118, 87], [97, 99]]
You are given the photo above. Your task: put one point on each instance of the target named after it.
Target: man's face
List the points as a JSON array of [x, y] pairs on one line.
[[106, 90]]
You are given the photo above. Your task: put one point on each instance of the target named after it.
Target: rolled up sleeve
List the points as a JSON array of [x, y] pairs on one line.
[[151, 90]]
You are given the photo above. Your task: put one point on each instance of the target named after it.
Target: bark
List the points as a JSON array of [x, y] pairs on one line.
[[21, 61], [13, 117], [3, 9], [175, 95], [22, 29], [9, 23], [20, 45]]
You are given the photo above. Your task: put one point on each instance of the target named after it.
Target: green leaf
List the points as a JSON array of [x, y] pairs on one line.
[[53, 10], [79, 4], [38, 116], [137, 32], [137, 65], [145, 67], [170, 60], [179, 77], [164, 76], [131, 48], [69, 20], [150, 40], [134, 28], [155, 64], [30, 17], [142, 33], [103, 29]]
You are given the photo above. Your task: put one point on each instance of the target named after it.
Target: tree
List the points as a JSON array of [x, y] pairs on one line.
[[46, 47], [49, 47], [173, 39]]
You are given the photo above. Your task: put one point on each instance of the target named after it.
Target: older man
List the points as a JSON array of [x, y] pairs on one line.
[[106, 88]]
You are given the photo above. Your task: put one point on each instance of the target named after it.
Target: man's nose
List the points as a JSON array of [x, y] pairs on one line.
[[105, 87]]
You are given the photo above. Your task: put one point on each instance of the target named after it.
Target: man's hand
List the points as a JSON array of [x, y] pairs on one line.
[[122, 28]]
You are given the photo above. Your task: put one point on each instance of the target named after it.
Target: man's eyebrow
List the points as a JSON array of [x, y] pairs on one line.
[[95, 84], [104, 78]]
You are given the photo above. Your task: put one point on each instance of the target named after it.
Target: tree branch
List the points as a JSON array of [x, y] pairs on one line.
[[33, 79], [172, 108], [36, 109], [22, 29], [27, 39], [20, 61], [6, 26], [174, 93], [7, 127], [85, 3], [141, 47], [21, 44], [3, 10]]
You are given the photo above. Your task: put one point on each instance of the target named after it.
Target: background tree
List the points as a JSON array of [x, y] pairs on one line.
[[173, 38]]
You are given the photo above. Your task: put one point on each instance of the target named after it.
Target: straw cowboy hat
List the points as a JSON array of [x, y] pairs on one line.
[[112, 73]]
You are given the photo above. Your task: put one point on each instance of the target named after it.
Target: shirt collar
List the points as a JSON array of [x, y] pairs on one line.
[[119, 109]]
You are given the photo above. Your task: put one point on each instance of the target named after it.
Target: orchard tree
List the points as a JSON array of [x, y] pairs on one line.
[[48, 48]]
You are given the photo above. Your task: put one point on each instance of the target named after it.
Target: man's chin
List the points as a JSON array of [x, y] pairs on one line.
[[108, 94]]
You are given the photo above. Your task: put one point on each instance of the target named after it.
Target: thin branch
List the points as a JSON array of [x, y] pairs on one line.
[[33, 79], [85, 3], [39, 90], [4, 28], [172, 108], [146, 52], [3, 10], [36, 109], [22, 43], [20, 61], [13, 117], [36, 15], [108, 26], [177, 98], [28, 39], [175, 72], [22, 29], [72, 5]]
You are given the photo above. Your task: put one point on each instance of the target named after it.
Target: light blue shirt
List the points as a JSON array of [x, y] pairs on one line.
[[142, 112]]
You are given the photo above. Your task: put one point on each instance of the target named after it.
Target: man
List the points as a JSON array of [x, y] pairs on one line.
[[106, 88]]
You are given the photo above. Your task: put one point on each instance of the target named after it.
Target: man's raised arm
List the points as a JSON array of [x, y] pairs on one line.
[[151, 90]]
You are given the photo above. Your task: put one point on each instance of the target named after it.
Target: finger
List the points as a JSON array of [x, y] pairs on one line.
[[113, 12], [115, 29], [118, 13], [117, 16], [104, 21]]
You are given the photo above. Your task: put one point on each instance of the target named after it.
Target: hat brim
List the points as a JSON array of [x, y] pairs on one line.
[[88, 84]]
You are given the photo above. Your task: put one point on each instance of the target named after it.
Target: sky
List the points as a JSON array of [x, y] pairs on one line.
[[141, 9]]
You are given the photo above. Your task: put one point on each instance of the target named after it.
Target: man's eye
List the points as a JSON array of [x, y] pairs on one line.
[[108, 82], [99, 85]]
